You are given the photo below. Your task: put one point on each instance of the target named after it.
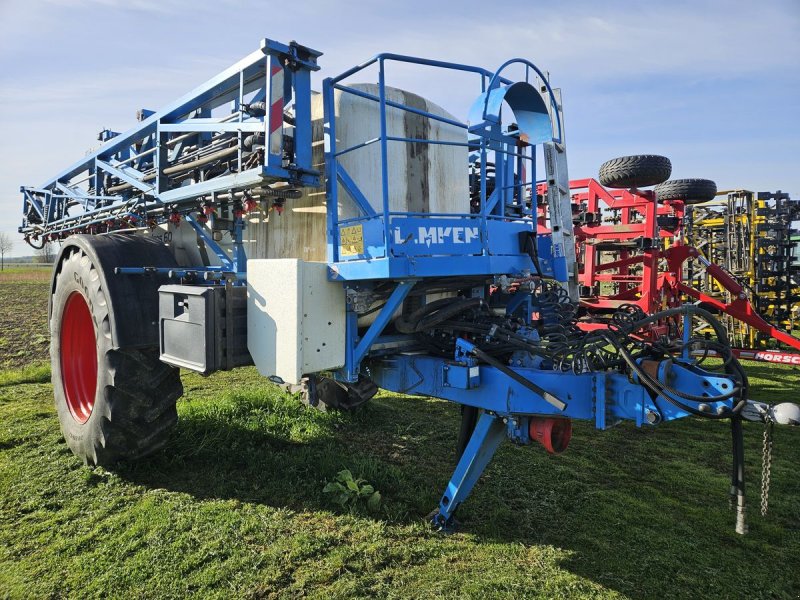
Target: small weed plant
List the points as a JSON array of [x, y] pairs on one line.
[[349, 492]]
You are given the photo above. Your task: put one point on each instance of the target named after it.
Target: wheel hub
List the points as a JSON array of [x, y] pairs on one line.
[[78, 357]]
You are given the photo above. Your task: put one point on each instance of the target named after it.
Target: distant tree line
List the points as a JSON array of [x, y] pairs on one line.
[[44, 255]]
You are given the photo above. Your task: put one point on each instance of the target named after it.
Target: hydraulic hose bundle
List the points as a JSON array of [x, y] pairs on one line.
[[562, 346]]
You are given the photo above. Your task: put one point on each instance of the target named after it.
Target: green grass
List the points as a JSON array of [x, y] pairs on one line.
[[35, 373], [26, 268], [233, 506]]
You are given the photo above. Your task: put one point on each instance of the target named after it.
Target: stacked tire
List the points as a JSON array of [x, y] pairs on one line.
[[638, 171], [690, 191], [644, 170]]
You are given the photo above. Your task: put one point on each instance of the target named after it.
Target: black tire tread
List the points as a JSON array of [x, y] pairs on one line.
[[636, 171], [691, 191], [330, 394], [142, 402]]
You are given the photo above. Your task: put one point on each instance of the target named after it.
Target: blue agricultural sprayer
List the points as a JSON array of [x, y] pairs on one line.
[[342, 241]]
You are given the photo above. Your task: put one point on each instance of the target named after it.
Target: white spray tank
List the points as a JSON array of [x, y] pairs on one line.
[[425, 178]]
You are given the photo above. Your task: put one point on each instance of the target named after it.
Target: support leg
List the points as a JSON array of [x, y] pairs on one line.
[[737, 476], [469, 419], [488, 434]]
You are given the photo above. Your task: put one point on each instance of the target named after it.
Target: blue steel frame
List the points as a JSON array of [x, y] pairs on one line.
[[602, 397], [508, 405]]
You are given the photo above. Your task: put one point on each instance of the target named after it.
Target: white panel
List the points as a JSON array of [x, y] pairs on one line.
[[295, 318], [323, 320], [273, 311]]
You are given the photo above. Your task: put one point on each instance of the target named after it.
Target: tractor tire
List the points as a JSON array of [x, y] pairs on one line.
[[113, 403], [635, 171], [691, 191]]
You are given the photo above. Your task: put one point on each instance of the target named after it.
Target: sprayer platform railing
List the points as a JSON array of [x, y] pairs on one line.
[[382, 243]]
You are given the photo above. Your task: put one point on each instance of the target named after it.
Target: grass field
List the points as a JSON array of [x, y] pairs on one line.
[[234, 506]]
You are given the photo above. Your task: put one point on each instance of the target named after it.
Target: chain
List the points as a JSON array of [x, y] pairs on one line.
[[766, 466]]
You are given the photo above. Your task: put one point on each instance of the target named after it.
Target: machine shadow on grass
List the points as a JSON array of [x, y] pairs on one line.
[[772, 379], [260, 463], [627, 505]]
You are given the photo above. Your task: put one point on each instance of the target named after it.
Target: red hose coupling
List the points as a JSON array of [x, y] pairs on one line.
[[553, 434]]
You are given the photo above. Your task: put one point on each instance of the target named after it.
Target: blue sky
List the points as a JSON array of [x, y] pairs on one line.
[[714, 85]]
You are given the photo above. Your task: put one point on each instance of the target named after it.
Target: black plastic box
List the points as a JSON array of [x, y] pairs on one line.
[[203, 328]]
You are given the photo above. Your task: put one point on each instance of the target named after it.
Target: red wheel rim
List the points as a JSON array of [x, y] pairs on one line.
[[78, 357]]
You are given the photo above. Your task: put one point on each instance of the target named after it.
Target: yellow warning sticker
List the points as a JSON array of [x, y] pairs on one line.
[[351, 240]]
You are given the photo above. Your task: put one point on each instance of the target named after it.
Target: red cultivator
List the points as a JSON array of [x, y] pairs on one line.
[[631, 251]]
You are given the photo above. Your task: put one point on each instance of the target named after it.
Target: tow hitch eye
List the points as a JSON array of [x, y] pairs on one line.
[[786, 413], [553, 434]]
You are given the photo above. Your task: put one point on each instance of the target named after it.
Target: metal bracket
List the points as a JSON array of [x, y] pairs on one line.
[[357, 348]]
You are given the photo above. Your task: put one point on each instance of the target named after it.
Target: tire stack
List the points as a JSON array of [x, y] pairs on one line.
[[644, 170]]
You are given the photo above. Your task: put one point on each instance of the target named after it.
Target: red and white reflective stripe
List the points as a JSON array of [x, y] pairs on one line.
[[783, 358], [276, 109], [772, 356]]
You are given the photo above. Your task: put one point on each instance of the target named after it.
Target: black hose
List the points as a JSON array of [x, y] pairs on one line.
[[737, 474], [442, 321], [34, 246], [255, 109], [433, 314], [659, 388], [547, 396], [719, 330], [255, 139], [664, 386]]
